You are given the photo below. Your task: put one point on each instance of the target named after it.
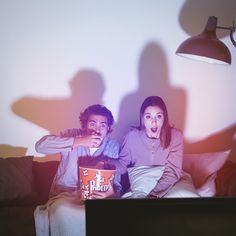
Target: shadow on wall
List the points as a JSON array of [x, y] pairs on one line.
[[11, 151], [54, 115], [87, 88], [194, 15], [153, 80], [193, 18], [221, 141], [217, 142]]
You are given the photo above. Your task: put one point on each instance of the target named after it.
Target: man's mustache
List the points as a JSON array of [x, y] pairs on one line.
[[93, 132]]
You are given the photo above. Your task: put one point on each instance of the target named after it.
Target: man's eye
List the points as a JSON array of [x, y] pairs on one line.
[[91, 124], [104, 126]]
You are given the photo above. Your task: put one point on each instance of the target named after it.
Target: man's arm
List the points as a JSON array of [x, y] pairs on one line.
[[52, 144], [69, 139]]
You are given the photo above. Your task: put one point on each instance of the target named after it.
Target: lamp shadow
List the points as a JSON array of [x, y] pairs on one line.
[[194, 15], [220, 141], [152, 80]]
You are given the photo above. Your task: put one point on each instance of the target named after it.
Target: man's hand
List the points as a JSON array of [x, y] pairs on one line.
[[100, 195], [90, 140]]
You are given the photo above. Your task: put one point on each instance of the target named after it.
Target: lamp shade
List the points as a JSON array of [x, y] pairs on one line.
[[206, 46]]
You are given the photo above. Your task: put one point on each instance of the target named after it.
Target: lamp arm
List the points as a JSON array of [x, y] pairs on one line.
[[232, 37], [232, 30]]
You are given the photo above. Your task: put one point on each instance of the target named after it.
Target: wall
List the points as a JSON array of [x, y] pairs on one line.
[[57, 57]]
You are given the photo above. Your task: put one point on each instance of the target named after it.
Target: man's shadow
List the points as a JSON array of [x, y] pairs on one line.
[[153, 80], [58, 114]]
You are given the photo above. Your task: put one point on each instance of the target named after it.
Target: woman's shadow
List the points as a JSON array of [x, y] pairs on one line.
[[153, 80]]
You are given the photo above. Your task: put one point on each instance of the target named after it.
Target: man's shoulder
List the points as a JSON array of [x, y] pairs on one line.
[[111, 148], [112, 141]]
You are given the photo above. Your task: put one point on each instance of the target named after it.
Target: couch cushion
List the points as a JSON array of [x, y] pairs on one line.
[[203, 168], [15, 177], [226, 180]]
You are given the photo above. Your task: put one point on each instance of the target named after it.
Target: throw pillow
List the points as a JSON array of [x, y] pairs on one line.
[[15, 177], [142, 180], [203, 168], [44, 173]]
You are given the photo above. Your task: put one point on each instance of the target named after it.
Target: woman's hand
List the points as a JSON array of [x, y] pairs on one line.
[[152, 196]]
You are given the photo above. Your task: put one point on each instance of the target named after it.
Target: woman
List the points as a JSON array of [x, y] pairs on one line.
[[152, 154]]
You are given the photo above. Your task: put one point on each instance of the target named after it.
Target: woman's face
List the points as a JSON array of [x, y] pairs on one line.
[[153, 119]]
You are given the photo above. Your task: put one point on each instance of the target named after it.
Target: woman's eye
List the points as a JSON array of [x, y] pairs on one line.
[[159, 117], [147, 116]]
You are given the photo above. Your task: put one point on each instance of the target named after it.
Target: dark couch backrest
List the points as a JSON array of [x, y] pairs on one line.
[[43, 174]]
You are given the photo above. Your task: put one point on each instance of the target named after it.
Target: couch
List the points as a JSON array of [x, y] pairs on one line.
[[25, 183]]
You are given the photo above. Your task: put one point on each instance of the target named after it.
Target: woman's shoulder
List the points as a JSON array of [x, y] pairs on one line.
[[131, 135], [134, 136], [176, 133], [134, 132]]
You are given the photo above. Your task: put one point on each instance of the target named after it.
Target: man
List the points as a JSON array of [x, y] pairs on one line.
[[65, 210]]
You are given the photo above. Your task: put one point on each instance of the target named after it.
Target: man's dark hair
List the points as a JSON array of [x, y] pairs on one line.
[[96, 109]]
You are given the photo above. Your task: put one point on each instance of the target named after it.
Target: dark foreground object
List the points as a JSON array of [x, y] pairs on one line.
[[188, 216]]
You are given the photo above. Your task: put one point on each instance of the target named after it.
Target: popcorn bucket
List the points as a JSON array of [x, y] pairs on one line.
[[94, 179]]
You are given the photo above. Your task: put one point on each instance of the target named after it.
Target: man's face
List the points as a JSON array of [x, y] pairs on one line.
[[97, 124]]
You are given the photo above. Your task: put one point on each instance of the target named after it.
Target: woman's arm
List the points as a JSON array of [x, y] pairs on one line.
[[173, 167], [124, 159]]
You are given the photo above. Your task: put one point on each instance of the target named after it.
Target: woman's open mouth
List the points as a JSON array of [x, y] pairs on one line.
[[154, 130]]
